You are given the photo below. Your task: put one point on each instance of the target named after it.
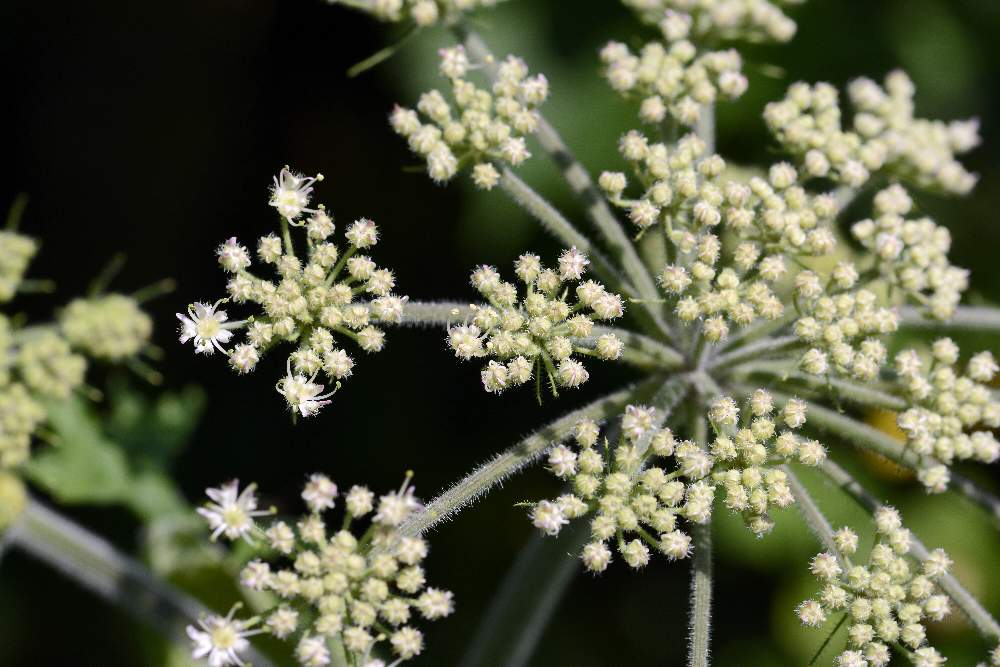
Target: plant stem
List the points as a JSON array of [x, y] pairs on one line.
[[855, 393], [761, 348], [481, 480], [556, 224], [97, 565], [580, 182], [701, 597], [812, 514], [963, 599], [862, 435], [526, 599], [972, 318]]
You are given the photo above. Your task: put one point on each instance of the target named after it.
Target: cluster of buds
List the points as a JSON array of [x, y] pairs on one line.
[[913, 254], [626, 498], [750, 20], [772, 218], [486, 128], [920, 151], [422, 13], [807, 122], [45, 362], [358, 588], [672, 77], [942, 404], [629, 496], [110, 327], [885, 135], [746, 455], [16, 252], [841, 326], [538, 333], [886, 602], [330, 293]]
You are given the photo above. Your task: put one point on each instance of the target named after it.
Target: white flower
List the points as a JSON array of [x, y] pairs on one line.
[[232, 256], [303, 394], [572, 264], [393, 508], [290, 193], [319, 493], [231, 513], [222, 639], [312, 651], [548, 518], [207, 326], [435, 603]]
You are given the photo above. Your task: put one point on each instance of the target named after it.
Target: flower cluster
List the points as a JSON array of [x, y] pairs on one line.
[[537, 333], [912, 254], [358, 587], [672, 77], [942, 405], [629, 496], [486, 128], [312, 301], [45, 362], [746, 455], [807, 122], [919, 151], [423, 13], [885, 135], [886, 602], [110, 327], [841, 326], [774, 219], [16, 252], [751, 20]]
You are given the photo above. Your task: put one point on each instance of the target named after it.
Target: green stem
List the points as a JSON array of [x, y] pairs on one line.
[[969, 318], [857, 394], [526, 599], [762, 348], [963, 599], [98, 566], [701, 597], [481, 480], [812, 514]]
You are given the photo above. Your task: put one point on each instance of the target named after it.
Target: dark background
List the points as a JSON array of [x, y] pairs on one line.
[[155, 128]]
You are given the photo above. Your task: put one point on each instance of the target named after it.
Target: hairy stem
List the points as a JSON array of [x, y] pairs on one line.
[[963, 599], [812, 514], [97, 565], [701, 597], [761, 348], [970, 318], [852, 392], [481, 480], [580, 182]]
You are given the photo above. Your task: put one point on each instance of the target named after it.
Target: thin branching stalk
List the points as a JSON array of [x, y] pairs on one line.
[[640, 350], [814, 517], [481, 480], [556, 224], [757, 350], [526, 599], [863, 436], [98, 566], [969, 318], [579, 180], [701, 597], [852, 392], [963, 599]]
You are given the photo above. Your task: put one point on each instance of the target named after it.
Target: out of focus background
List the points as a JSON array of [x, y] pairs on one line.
[[154, 129]]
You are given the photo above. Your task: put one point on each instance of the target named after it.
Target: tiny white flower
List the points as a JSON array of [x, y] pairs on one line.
[[208, 327], [572, 264], [547, 517], [231, 513], [221, 639], [319, 493], [290, 193], [303, 394]]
